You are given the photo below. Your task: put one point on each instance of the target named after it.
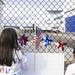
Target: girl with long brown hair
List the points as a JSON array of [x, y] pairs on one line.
[[12, 58]]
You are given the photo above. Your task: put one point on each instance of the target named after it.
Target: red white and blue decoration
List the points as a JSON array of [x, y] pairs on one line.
[[61, 45], [22, 40], [46, 40], [37, 37]]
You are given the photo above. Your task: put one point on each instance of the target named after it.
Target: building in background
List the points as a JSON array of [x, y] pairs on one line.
[[48, 15], [70, 24]]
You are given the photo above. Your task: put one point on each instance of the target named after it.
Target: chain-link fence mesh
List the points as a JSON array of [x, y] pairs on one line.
[[54, 17]]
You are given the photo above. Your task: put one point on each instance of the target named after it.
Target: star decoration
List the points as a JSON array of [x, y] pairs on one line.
[[22, 40], [46, 40], [60, 45]]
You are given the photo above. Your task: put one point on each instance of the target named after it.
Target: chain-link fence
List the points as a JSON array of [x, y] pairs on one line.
[[54, 17]]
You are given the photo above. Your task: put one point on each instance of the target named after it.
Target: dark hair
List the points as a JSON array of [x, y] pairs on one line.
[[74, 51], [8, 43]]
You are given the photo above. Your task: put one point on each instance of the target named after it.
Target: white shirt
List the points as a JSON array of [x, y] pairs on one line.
[[18, 65], [70, 69]]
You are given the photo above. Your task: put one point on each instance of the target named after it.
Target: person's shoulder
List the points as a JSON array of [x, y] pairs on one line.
[[21, 52], [71, 65]]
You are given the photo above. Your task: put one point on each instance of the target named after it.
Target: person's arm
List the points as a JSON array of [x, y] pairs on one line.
[[24, 62]]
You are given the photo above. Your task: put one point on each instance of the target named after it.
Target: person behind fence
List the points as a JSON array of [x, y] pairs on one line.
[[73, 55], [12, 59], [71, 67]]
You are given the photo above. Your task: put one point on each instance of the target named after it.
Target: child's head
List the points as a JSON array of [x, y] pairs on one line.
[[9, 38], [8, 43]]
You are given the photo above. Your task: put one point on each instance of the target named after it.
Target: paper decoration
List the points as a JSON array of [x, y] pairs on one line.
[[22, 40], [60, 44], [46, 40]]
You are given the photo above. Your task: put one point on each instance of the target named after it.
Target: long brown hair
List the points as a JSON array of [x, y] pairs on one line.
[[8, 42]]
